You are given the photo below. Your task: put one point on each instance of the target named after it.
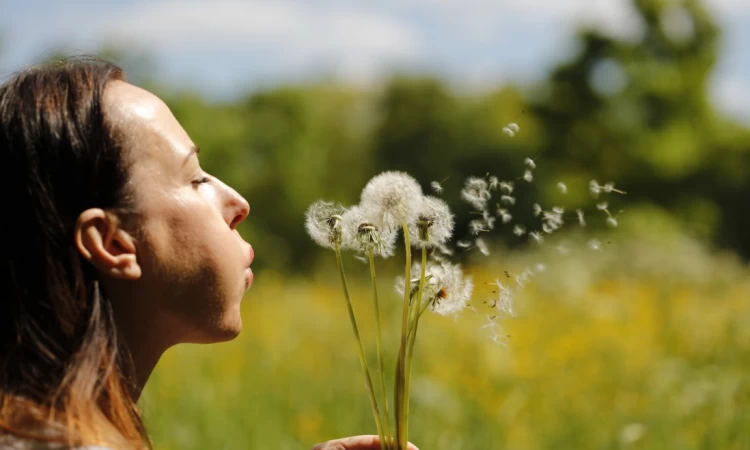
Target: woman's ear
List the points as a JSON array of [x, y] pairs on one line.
[[102, 242]]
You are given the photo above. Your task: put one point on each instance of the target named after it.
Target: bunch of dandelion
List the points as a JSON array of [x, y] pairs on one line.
[[390, 202]]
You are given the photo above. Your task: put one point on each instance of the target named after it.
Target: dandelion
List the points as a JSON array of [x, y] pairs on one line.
[[562, 187], [528, 176], [530, 163], [476, 192], [447, 290], [508, 200], [537, 209], [514, 126], [537, 237], [558, 210], [595, 245], [437, 187], [482, 246], [504, 301], [505, 216], [494, 182], [612, 222], [477, 226], [361, 235], [519, 230], [463, 244], [508, 132], [602, 206], [391, 199], [506, 187], [434, 223], [323, 223], [610, 187], [581, 220]]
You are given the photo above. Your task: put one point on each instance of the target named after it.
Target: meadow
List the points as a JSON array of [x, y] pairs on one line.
[[644, 345]]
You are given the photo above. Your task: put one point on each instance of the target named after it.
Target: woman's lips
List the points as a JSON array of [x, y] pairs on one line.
[[248, 271]]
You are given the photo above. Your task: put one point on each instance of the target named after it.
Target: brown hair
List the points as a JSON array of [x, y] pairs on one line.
[[65, 374]]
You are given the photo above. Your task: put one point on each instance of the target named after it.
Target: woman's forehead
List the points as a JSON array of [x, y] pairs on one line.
[[146, 122]]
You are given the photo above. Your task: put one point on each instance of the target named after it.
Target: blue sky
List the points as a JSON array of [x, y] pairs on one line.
[[225, 46]]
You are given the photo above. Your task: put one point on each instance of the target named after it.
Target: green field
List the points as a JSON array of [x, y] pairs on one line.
[[642, 346]]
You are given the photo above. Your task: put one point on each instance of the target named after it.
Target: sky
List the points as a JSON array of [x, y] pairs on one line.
[[223, 47]]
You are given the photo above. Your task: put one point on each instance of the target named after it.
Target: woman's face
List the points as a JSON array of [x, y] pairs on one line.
[[194, 264]]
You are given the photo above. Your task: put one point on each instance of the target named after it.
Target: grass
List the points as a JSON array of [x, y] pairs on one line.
[[626, 360]]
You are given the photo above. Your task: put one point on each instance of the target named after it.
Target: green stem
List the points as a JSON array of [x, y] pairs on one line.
[[410, 352], [401, 432], [362, 359], [379, 342]]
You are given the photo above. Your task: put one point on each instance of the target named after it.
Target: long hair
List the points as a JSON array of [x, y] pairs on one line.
[[65, 374]]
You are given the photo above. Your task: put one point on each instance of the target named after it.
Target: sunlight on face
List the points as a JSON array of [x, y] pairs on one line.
[[195, 264]]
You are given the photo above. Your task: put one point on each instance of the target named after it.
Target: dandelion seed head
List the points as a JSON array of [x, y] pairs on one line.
[[519, 230], [506, 187], [493, 181], [463, 244], [537, 209], [437, 187], [477, 226], [612, 222], [433, 225], [595, 188], [537, 237], [558, 210], [529, 163], [581, 219], [482, 246], [390, 199], [361, 235], [562, 187], [476, 192], [323, 223], [514, 126], [506, 217], [508, 132], [508, 200], [602, 206], [528, 176], [595, 244], [447, 288]]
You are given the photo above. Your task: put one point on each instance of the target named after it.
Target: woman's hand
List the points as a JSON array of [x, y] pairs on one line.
[[367, 442]]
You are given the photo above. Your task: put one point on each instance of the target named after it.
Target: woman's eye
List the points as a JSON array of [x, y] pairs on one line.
[[201, 181]]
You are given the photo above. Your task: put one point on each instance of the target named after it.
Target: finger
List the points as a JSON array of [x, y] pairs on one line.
[[363, 442]]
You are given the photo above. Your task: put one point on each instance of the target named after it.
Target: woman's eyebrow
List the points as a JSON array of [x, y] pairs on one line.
[[194, 150]]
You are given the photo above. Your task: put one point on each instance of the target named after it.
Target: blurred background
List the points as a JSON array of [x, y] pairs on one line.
[[644, 344]]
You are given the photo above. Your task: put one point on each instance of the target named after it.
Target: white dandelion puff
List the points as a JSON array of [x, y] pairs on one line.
[[529, 163], [595, 188], [493, 181], [506, 217], [447, 290], [562, 187], [323, 223], [528, 176], [477, 226], [391, 199], [508, 200], [463, 244], [476, 192], [581, 219], [433, 225], [361, 235], [602, 206], [612, 222], [482, 246], [437, 187], [537, 237], [537, 209], [595, 244], [508, 132], [506, 187], [514, 126], [519, 230]]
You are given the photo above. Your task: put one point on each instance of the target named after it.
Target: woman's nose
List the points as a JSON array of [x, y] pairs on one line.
[[238, 207]]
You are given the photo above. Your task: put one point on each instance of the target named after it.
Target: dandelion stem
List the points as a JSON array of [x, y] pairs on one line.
[[362, 358], [401, 431], [410, 352], [385, 419]]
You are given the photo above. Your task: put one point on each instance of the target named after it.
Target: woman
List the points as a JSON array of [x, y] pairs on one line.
[[114, 246]]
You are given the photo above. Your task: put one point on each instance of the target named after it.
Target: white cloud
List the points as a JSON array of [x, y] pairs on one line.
[[294, 35]]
